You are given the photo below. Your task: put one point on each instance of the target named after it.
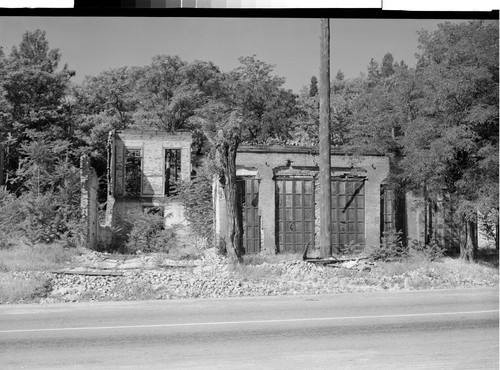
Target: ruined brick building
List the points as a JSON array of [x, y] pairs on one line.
[[277, 187], [144, 168]]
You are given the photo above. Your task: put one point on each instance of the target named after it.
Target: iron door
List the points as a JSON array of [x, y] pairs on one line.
[[295, 214], [249, 195], [348, 213]]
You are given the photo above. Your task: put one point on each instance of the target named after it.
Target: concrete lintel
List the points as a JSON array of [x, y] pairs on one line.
[[249, 171]]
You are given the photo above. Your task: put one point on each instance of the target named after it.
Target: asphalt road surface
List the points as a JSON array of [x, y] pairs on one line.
[[440, 329]]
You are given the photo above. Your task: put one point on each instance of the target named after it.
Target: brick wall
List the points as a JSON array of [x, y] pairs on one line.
[[123, 208], [269, 162]]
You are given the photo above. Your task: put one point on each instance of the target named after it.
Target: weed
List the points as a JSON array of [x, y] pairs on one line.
[[38, 257], [391, 248], [148, 234], [432, 251], [27, 289]]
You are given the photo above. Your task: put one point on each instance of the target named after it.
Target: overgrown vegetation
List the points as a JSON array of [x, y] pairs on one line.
[[393, 249], [196, 196], [148, 234]]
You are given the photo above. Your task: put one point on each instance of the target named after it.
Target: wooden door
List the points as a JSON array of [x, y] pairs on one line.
[[249, 195], [295, 214], [348, 213]]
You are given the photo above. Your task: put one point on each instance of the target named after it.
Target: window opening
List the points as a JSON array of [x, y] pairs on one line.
[[172, 170], [133, 171]]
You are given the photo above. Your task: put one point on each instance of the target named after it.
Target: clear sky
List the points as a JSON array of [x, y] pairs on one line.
[[90, 45]]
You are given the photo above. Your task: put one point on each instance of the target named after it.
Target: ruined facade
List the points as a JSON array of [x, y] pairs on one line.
[[279, 191], [144, 169], [278, 187]]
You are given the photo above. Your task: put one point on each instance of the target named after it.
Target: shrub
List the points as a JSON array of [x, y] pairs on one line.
[[148, 234], [391, 248], [40, 218], [431, 252]]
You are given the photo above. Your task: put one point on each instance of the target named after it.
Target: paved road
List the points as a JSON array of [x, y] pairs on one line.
[[446, 329]]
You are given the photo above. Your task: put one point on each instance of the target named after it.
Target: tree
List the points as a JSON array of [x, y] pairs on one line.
[[373, 72], [102, 103], [340, 76], [313, 88], [253, 107], [379, 111], [33, 94], [170, 90], [306, 121], [387, 68], [439, 122], [451, 144]]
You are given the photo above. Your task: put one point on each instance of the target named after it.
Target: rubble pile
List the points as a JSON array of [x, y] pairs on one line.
[[100, 277], [146, 277]]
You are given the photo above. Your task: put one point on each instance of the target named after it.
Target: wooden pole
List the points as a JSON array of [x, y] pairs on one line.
[[324, 143]]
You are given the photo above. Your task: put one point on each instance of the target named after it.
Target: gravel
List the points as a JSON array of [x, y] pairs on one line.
[[148, 277]]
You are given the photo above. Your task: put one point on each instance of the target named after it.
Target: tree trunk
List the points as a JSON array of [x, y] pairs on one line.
[[468, 250], [234, 235]]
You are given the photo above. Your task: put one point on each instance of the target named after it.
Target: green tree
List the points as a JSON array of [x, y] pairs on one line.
[[452, 142], [102, 103], [313, 87], [33, 95], [387, 68], [170, 90], [373, 72]]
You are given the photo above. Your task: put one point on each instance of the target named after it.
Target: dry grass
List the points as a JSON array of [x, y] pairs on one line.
[[39, 257], [22, 257], [22, 289]]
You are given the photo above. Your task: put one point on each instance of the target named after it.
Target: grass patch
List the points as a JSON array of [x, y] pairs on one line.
[[22, 266], [38, 257], [16, 289]]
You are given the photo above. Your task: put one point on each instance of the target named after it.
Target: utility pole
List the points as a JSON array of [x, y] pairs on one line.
[[325, 217]]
